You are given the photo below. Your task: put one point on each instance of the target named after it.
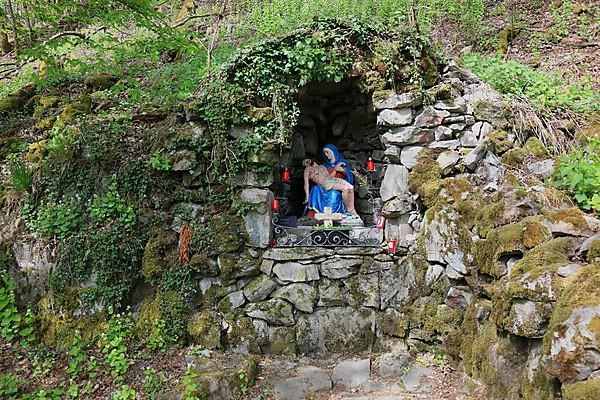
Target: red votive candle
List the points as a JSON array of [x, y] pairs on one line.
[[380, 221], [370, 165], [275, 205], [285, 175], [391, 247]]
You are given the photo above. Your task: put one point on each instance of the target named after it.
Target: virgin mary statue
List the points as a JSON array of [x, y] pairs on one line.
[[320, 198]]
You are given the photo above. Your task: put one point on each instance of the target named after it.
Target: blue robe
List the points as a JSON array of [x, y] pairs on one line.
[[320, 198]]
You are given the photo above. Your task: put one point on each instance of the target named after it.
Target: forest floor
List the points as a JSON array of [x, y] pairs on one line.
[[155, 375]]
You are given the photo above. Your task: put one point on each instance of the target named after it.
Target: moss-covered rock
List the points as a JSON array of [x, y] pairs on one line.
[[535, 147], [499, 142], [572, 342], [100, 81], [235, 265], [514, 157], [46, 123], [76, 108], [58, 324], [204, 328], [585, 390], [18, 100], [534, 277], [593, 254], [261, 114], [505, 36], [244, 337], [496, 360], [488, 217], [571, 216], [158, 254], [393, 323], [36, 151], [227, 234], [424, 177], [162, 318], [500, 242]]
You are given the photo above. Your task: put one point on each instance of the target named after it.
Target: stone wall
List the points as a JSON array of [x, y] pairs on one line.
[[486, 270]]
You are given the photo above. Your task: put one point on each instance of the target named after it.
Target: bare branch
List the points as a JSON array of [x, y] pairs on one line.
[[65, 33]]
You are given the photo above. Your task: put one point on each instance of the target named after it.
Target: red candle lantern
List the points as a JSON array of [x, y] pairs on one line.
[[275, 205], [391, 247], [380, 221], [370, 165], [285, 175]]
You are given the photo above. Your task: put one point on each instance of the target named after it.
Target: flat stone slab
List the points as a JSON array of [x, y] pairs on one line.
[[316, 378], [352, 373], [295, 272], [413, 379], [390, 364], [297, 253], [290, 389]]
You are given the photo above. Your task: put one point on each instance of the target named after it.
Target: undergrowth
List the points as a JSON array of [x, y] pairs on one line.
[[546, 90]]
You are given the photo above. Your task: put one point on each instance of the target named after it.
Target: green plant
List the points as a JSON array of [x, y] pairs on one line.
[[563, 17], [154, 383], [124, 393], [111, 206], [115, 343], [20, 176], [157, 339], [579, 174], [440, 361], [10, 319], [244, 381], [189, 387], [545, 90], [45, 394], [158, 161], [77, 355], [9, 384], [60, 220], [61, 143]]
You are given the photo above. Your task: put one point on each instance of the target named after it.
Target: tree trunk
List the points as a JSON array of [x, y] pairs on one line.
[[5, 46]]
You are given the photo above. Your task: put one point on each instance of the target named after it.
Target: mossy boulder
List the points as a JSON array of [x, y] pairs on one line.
[[488, 217], [572, 342], [235, 265], [514, 157], [585, 390], [424, 177], [36, 151], [223, 377], [506, 241], [204, 328], [593, 254], [497, 113], [567, 221], [227, 234], [45, 124], [167, 308], [535, 147], [499, 142], [246, 336], [58, 324], [535, 276], [75, 109], [100, 81], [158, 254], [495, 359], [18, 100]]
